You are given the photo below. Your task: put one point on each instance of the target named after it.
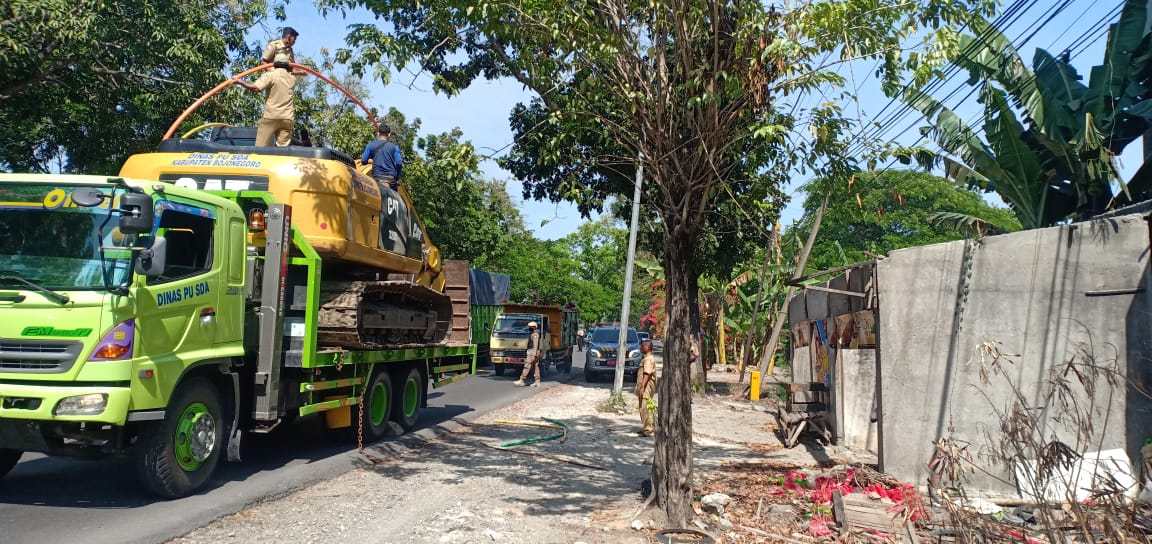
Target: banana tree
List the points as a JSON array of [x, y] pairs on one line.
[[1061, 162]]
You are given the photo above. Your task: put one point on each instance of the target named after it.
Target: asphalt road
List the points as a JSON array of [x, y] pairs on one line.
[[47, 499]]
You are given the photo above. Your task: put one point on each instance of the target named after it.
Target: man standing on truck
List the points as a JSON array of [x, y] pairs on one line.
[[532, 358], [386, 160], [279, 111], [283, 46], [646, 389]]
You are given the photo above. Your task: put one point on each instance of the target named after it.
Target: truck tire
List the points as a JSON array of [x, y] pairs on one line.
[[8, 459], [568, 364], [499, 369], [408, 399], [175, 457], [377, 406]]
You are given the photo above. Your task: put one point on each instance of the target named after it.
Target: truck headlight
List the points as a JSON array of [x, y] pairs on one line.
[[595, 353], [496, 353], [633, 354], [91, 404]]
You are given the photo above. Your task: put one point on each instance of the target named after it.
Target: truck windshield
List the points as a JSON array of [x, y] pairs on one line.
[[46, 239], [513, 325]]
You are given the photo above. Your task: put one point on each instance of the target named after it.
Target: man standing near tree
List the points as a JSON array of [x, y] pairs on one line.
[[646, 389]]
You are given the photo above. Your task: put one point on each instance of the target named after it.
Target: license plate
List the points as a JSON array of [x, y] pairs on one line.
[[515, 360], [611, 362]]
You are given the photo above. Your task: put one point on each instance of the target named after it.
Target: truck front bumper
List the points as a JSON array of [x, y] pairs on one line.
[[40, 402]]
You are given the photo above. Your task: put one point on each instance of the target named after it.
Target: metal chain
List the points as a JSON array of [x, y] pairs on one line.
[[360, 428]]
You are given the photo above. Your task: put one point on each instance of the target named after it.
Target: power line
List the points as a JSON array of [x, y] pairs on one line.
[[1094, 29], [1005, 20], [1031, 30]]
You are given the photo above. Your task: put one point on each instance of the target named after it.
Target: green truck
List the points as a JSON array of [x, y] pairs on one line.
[[164, 320], [488, 293]]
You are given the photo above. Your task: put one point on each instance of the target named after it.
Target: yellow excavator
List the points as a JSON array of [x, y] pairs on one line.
[[383, 279]]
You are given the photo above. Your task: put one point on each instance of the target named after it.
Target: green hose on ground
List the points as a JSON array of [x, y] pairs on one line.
[[562, 435]]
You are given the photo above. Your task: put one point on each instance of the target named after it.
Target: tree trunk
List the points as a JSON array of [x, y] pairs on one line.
[[721, 358], [699, 370], [672, 466]]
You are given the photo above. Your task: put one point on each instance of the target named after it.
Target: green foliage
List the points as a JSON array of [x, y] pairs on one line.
[[329, 116], [615, 403], [892, 210], [1059, 162], [85, 83]]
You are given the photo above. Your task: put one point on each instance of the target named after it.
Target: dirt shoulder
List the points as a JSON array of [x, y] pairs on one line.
[[465, 487]]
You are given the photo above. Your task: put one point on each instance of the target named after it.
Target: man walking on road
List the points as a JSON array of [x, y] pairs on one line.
[[279, 110], [532, 359], [646, 389]]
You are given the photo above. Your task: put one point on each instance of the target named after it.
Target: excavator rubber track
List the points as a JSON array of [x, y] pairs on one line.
[[382, 314]]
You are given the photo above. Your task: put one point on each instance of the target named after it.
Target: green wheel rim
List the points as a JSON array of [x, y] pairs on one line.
[[195, 437], [411, 397], [378, 406]]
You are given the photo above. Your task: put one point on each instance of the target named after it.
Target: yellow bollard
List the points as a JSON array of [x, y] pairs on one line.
[[755, 386]]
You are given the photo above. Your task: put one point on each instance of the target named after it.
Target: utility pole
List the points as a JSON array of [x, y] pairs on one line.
[[622, 351]]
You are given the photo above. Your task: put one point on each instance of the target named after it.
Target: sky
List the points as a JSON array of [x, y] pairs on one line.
[[481, 111]]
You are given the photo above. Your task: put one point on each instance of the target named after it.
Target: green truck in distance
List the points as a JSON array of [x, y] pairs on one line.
[[488, 292]]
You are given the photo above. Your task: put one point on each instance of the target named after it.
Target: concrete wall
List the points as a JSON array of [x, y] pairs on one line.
[[1038, 295], [858, 394]]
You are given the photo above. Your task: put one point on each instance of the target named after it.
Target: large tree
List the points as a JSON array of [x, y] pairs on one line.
[[85, 83], [695, 87]]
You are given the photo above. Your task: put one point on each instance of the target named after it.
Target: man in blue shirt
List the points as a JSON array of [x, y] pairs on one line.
[[386, 160]]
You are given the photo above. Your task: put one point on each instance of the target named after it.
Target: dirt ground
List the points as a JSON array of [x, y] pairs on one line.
[[466, 488]]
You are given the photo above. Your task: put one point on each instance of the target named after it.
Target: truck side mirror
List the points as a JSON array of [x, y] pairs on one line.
[[136, 215], [153, 257]]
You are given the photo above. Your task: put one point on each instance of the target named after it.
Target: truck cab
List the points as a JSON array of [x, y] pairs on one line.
[[509, 338], [113, 291]]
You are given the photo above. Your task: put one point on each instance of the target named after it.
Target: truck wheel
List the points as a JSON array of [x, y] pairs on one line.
[[8, 459], [377, 406], [568, 365], [177, 456], [499, 370], [406, 410]]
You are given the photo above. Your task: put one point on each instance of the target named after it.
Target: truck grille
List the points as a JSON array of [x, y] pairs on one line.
[[38, 357], [516, 353]]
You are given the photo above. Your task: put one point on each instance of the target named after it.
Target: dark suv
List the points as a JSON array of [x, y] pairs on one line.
[[601, 360]]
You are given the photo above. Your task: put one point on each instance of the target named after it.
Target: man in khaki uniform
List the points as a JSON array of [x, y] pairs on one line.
[[279, 109], [532, 359], [646, 388], [283, 46]]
